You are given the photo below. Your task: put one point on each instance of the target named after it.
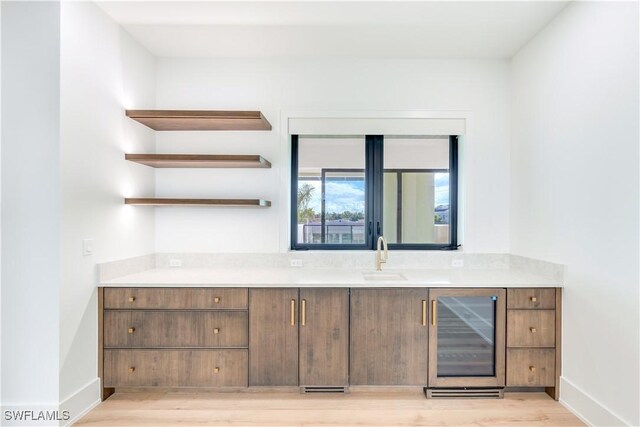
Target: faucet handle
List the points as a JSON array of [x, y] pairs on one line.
[[380, 257], [382, 240]]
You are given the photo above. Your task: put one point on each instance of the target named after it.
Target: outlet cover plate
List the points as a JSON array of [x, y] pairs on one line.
[[87, 247]]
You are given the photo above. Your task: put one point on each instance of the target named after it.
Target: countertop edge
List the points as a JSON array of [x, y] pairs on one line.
[[329, 278]]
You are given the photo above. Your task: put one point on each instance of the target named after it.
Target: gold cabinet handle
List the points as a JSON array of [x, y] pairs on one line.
[[293, 312], [533, 330], [303, 313], [132, 299], [216, 370], [216, 330], [132, 369], [532, 368], [424, 312], [533, 299], [434, 314], [216, 299], [132, 330]]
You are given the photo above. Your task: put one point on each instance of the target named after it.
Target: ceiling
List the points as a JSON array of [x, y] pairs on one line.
[[342, 29]]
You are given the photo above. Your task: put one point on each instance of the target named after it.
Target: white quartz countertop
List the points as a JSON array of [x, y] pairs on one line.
[[330, 277]]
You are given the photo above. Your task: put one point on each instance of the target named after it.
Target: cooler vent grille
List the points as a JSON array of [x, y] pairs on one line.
[[322, 389], [458, 393]]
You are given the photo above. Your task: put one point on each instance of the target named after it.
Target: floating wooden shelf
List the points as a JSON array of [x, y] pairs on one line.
[[151, 201], [199, 160], [200, 120]]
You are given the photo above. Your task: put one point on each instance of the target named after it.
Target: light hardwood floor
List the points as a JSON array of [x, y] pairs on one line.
[[293, 409]]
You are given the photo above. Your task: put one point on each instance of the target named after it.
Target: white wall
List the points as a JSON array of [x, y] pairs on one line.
[[103, 70], [0, 199], [273, 86], [574, 93], [574, 194], [30, 203]]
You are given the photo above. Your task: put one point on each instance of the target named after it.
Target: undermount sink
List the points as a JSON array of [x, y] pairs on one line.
[[383, 276]]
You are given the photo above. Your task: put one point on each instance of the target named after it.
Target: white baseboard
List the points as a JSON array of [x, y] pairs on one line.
[[585, 407], [82, 401]]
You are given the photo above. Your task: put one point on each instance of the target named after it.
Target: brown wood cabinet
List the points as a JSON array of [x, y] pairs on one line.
[[172, 337], [533, 338], [531, 328], [329, 337], [531, 298], [175, 329], [273, 337], [389, 337], [531, 367], [175, 368], [176, 298], [324, 337]]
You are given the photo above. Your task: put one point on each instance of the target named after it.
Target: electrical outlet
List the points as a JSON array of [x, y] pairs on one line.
[[457, 262], [295, 263], [175, 263], [87, 247]]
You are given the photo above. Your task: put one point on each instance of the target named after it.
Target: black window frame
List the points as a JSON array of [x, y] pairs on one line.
[[374, 172]]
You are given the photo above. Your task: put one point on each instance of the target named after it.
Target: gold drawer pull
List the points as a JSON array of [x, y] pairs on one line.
[[216, 330], [216, 299], [216, 370], [533, 330], [132, 330], [132, 369], [424, 312], [303, 313], [533, 299], [532, 368], [293, 312], [132, 299]]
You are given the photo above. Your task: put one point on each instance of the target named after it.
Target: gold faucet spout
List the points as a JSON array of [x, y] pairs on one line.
[[380, 258]]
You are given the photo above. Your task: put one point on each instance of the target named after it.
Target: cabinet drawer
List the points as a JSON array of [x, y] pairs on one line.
[[149, 329], [531, 328], [531, 298], [175, 298], [531, 367], [175, 368]]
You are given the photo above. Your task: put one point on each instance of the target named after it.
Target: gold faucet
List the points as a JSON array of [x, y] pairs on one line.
[[379, 258]]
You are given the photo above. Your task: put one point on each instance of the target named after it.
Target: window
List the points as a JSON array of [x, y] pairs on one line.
[[330, 199], [416, 200], [347, 191]]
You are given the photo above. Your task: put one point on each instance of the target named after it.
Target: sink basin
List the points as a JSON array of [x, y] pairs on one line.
[[379, 275]]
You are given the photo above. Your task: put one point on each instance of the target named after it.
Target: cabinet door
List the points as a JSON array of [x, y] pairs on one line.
[[324, 337], [389, 337], [273, 337]]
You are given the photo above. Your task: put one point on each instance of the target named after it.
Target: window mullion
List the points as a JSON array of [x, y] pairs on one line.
[[453, 191], [294, 191], [370, 190], [378, 169]]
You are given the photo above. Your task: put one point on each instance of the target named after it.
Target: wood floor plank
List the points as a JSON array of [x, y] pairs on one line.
[[290, 409]]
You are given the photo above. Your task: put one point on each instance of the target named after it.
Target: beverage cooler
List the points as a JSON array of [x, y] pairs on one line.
[[466, 342]]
